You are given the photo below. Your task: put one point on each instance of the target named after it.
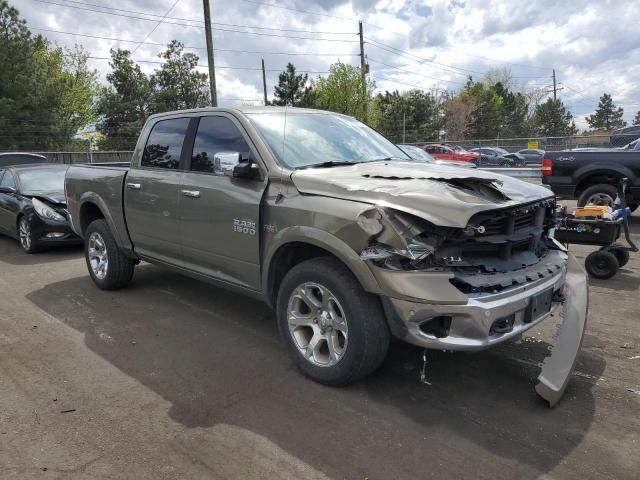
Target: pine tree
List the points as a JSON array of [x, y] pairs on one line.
[[636, 121], [177, 83], [607, 116], [291, 89], [551, 118], [125, 104]]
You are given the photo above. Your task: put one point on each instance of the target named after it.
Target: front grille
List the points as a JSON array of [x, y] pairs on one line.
[[512, 220], [502, 240]]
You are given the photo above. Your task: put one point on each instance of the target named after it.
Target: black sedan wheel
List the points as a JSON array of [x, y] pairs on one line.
[[29, 244]]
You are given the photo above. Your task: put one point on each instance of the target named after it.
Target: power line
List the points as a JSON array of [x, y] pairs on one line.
[[308, 12], [415, 58], [155, 27], [415, 73], [196, 20], [98, 37], [447, 68], [205, 66], [495, 59], [386, 79], [137, 17]]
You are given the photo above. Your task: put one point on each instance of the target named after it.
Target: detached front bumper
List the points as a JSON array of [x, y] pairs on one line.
[[483, 321]]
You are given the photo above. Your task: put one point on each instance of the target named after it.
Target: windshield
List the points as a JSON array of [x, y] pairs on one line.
[[306, 139], [416, 153], [500, 150], [44, 180]]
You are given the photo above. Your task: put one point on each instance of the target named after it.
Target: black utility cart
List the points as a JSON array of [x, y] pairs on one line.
[[603, 263]]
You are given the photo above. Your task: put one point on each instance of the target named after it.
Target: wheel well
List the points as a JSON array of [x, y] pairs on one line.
[[18, 223], [287, 257], [88, 213], [595, 179]]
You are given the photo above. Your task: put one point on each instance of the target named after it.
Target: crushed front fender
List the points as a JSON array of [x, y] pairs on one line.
[[557, 367]]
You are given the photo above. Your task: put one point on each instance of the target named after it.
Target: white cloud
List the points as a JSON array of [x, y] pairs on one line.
[[594, 45]]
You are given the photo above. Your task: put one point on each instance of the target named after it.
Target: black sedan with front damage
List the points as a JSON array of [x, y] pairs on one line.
[[33, 207]]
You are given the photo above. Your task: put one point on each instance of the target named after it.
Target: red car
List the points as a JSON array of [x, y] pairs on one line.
[[442, 152]]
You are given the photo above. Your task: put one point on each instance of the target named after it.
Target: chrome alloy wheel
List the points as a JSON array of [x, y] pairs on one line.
[[25, 234], [317, 324], [97, 253], [600, 198]]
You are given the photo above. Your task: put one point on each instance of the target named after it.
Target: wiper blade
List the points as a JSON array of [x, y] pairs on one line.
[[330, 163], [388, 159]]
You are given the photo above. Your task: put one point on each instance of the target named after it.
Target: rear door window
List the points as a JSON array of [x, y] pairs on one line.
[[164, 145], [216, 135]]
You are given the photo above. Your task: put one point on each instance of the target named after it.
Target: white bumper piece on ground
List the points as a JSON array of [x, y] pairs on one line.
[[557, 368]]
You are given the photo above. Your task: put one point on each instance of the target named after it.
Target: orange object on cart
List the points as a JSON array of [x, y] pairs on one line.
[[598, 211]]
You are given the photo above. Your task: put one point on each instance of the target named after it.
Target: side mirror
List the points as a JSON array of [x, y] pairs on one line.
[[247, 169], [9, 190], [224, 163]]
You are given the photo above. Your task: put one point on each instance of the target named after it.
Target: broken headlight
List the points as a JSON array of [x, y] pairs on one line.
[[400, 241]]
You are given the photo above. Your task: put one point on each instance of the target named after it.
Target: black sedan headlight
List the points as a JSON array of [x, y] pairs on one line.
[[45, 211]]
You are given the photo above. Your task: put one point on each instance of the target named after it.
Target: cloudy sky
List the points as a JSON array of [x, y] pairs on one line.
[[594, 45]]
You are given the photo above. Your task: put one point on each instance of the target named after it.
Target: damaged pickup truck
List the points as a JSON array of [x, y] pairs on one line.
[[347, 238]]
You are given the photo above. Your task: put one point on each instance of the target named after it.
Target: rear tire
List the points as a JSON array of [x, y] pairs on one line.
[[109, 267], [320, 301], [621, 253], [601, 264], [601, 194]]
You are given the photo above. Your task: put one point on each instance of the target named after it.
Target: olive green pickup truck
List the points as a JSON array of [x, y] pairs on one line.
[[346, 237]]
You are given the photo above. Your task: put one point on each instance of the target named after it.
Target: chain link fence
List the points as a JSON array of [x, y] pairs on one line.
[[600, 140]]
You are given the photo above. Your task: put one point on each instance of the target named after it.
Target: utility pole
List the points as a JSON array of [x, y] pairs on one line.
[[264, 83], [212, 68], [404, 123], [555, 97], [363, 68]]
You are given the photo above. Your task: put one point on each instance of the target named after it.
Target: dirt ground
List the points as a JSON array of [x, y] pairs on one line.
[[173, 378]]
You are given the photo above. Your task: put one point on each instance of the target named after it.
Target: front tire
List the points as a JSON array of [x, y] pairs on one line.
[[109, 267], [28, 243], [335, 332]]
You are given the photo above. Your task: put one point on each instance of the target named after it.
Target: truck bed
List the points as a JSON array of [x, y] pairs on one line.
[[103, 185]]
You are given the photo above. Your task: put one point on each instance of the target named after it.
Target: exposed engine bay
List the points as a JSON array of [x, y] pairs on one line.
[[496, 250]]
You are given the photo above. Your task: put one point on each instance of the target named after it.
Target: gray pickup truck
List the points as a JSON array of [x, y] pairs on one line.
[[346, 237]]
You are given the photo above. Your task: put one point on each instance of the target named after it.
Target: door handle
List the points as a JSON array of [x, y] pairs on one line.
[[191, 193], [134, 186]]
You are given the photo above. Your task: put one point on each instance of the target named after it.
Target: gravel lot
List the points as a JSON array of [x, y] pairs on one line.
[[173, 378]]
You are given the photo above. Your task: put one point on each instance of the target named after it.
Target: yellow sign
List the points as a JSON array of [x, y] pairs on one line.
[[532, 145]]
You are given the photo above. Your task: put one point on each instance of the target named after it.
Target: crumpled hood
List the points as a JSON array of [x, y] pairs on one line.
[[445, 196], [57, 198]]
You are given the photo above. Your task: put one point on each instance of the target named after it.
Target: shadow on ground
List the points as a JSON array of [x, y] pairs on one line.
[[216, 357], [624, 279], [11, 252]]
